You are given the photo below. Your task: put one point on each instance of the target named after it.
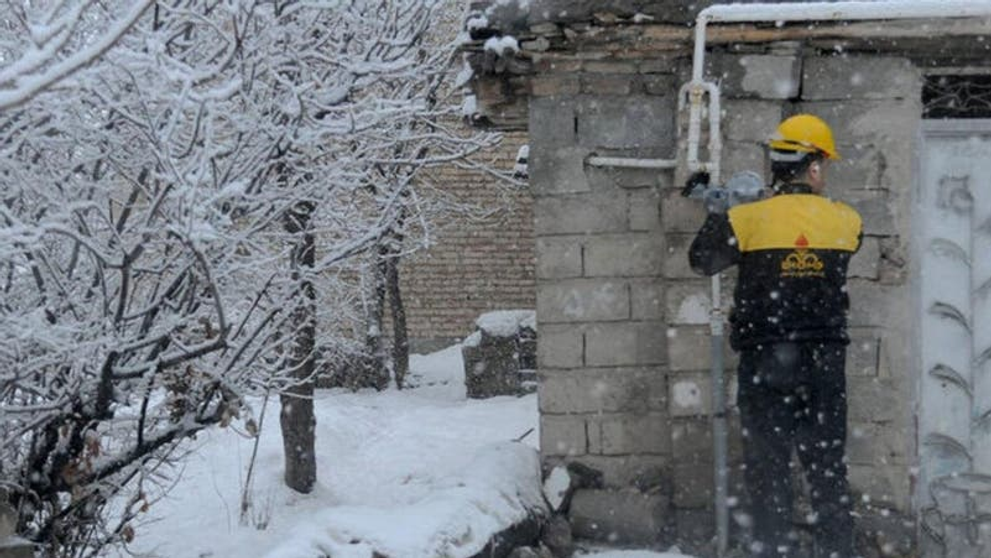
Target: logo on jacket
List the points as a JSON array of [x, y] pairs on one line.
[[802, 262]]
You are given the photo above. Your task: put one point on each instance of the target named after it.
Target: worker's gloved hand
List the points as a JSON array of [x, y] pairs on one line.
[[696, 184], [716, 200]]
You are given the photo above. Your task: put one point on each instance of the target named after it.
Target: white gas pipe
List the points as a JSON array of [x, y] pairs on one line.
[[697, 88]]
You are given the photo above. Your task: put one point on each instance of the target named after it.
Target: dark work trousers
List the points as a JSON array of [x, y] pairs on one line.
[[793, 396]]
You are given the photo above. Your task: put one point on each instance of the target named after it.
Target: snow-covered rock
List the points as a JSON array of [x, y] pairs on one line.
[[502, 46], [506, 323], [556, 486]]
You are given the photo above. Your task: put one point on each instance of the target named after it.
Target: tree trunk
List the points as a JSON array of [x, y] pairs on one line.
[[400, 337], [374, 371], [296, 418]]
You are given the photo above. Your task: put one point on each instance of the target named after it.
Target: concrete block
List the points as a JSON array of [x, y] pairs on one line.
[[898, 163], [583, 300], [631, 433], [876, 208], [492, 366], [559, 346], [760, 76], [739, 156], [648, 473], [884, 485], [627, 255], [693, 485], [859, 77], [636, 121], [696, 529], [645, 210], [689, 394], [555, 85], [559, 257], [873, 443], [625, 344], [608, 84], [691, 440], [619, 516], [876, 305], [552, 122], [870, 122], [866, 262], [593, 435], [871, 399], [680, 214], [579, 214], [603, 390], [559, 170], [610, 178], [893, 351], [690, 349], [750, 120], [860, 168], [647, 299], [563, 435], [676, 261], [863, 355], [688, 302]]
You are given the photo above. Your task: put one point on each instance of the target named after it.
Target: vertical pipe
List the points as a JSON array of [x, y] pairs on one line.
[[719, 422], [695, 92]]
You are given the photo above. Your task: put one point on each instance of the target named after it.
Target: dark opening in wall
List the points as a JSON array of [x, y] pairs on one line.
[[956, 96]]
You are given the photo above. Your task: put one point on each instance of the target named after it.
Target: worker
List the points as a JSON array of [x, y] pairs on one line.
[[789, 324]]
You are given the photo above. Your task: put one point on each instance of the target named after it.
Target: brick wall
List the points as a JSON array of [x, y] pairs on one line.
[[476, 263]]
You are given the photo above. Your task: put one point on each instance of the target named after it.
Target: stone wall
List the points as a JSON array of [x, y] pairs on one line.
[[623, 353]]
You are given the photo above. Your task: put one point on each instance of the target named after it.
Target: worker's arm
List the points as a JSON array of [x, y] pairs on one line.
[[715, 246]]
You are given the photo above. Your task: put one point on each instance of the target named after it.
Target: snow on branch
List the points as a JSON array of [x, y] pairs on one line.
[[21, 80]]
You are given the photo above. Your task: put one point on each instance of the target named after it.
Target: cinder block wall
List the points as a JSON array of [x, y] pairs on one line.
[[624, 346], [602, 256]]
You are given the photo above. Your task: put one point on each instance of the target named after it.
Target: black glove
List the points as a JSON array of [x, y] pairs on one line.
[[716, 200], [695, 181]]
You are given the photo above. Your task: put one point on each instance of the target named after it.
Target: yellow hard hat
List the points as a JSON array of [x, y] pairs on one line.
[[805, 133]]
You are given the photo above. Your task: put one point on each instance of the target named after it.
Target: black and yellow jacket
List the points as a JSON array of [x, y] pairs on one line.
[[792, 250]]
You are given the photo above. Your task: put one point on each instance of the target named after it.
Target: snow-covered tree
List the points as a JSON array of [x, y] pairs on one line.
[[169, 207]]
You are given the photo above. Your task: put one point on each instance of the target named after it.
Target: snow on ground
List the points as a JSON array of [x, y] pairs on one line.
[[417, 473], [632, 554]]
